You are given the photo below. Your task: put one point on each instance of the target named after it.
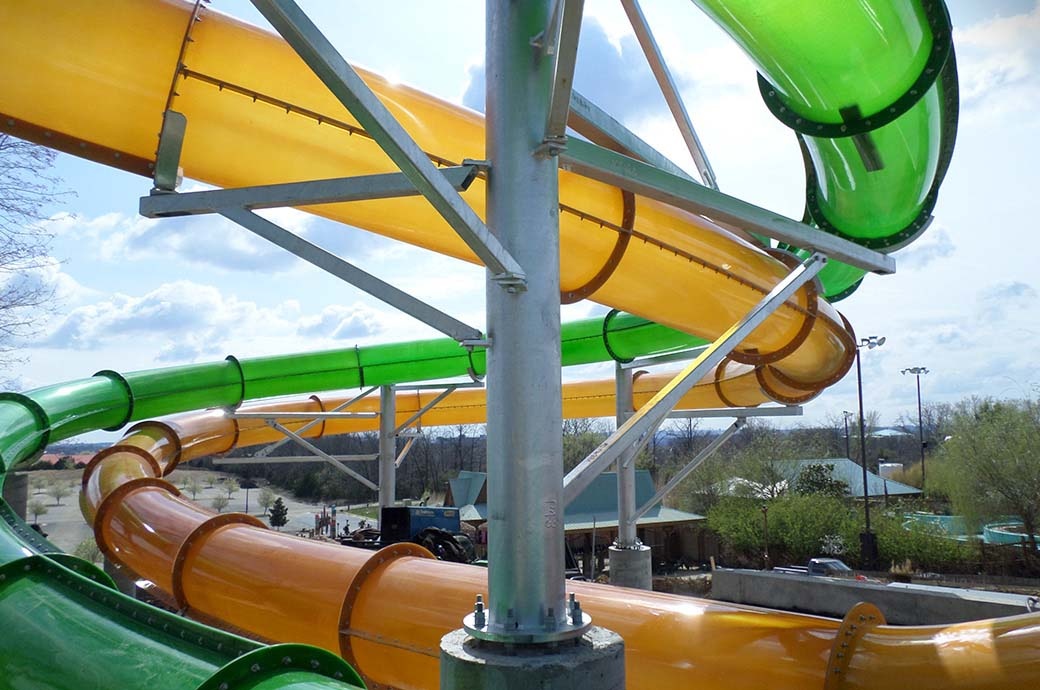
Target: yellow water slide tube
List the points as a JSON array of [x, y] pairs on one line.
[[386, 611], [257, 115]]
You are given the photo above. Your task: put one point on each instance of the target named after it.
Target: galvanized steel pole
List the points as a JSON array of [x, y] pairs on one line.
[[524, 408], [626, 465], [387, 446]]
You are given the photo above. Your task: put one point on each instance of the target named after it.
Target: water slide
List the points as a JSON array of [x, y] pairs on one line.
[[876, 134]]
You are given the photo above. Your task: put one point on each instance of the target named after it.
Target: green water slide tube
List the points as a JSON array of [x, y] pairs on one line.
[[870, 88], [66, 610], [69, 629], [110, 400]]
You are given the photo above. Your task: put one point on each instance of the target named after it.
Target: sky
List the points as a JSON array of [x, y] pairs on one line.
[[137, 294]]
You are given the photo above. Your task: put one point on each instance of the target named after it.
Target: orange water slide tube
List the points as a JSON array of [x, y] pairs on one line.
[[257, 115], [386, 611]]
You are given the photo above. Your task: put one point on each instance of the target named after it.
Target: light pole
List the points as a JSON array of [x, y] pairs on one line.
[[917, 371], [765, 537], [846, 415], [867, 541]]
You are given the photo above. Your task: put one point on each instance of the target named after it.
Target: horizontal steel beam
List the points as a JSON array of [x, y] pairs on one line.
[[595, 124], [303, 415], [665, 358], [344, 270], [311, 193], [347, 86], [722, 412], [267, 460], [649, 416], [613, 168], [438, 386], [705, 453], [268, 449]]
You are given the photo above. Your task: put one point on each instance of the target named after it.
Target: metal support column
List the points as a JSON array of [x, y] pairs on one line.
[[626, 466], [527, 601], [387, 446], [630, 561]]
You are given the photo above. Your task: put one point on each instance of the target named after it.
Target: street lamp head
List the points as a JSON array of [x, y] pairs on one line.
[[917, 371], [871, 342], [848, 415]]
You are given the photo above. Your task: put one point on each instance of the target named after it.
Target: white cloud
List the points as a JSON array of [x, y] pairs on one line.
[[178, 312], [997, 63], [339, 322]]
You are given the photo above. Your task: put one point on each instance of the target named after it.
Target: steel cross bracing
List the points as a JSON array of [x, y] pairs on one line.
[[561, 39], [670, 91], [347, 86], [716, 443], [271, 447], [628, 513], [389, 432], [640, 426], [237, 205]]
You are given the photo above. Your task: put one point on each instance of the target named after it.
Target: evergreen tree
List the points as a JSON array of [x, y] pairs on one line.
[[279, 514]]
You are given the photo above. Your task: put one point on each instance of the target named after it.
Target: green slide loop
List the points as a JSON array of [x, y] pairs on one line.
[[948, 116], [854, 122]]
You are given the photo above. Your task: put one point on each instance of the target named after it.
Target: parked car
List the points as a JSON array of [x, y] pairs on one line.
[[827, 567]]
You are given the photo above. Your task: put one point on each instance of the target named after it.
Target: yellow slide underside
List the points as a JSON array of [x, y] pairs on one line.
[[257, 115]]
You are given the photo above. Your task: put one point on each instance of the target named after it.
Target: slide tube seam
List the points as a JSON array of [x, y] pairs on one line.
[[171, 435], [84, 568], [88, 471], [787, 399], [853, 122], [375, 562], [628, 216], [79, 147], [196, 537], [271, 661], [241, 378], [116, 376], [321, 408], [719, 370], [845, 332], [606, 338], [860, 620], [903, 237], [23, 531], [811, 311], [112, 501], [43, 426]]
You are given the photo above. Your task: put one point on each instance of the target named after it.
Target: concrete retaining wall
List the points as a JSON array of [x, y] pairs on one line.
[[834, 597]]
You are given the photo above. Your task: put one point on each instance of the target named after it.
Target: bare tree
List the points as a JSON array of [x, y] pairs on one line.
[[219, 502], [37, 508], [192, 485], [267, 497], [26, 188], [58, 490]]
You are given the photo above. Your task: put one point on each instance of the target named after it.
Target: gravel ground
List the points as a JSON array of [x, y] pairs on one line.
[[66, 529]]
